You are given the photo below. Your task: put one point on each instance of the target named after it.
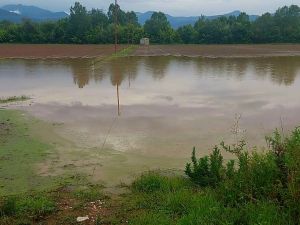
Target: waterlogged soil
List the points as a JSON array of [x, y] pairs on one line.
[[167, 105], [50, 51], [220, 51]]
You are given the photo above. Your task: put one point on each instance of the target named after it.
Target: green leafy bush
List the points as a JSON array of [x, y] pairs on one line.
[[206, 171]]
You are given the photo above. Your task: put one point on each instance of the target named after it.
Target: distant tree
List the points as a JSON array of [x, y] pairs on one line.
[[241, 29], [159, 29], [265, 30], [96, 27], [79, 23], [29, 32]]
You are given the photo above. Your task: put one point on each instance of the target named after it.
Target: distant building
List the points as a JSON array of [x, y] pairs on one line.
[[145, 41]]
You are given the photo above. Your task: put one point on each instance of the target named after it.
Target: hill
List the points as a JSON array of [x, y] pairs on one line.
[[6, 15], [181, 21], [17, 12]]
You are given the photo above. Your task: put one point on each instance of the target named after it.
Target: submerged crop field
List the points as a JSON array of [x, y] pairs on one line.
[[257, 187], [116, 117], [108, 139], [59, 51]]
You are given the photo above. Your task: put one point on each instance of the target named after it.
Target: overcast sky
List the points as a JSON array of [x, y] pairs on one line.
[[173, 7]]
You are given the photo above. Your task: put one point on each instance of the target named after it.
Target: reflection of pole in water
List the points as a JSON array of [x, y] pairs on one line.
[[118, 96], [129, 80], [93, 68]]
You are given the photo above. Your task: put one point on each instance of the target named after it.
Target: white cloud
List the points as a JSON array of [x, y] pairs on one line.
[[174, 7]]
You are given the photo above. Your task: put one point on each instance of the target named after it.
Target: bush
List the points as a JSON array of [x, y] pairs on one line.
[[206, 171]]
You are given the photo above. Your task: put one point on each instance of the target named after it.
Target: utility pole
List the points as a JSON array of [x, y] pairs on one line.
[[116, 25]]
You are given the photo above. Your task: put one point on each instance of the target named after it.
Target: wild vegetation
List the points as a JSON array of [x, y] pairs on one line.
[[255, 187], [96, 27], [14, 99]]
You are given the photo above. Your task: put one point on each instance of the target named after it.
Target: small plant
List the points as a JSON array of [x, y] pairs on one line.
[[206, 171]]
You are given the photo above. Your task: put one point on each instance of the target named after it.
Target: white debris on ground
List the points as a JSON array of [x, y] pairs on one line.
[[82, 219]]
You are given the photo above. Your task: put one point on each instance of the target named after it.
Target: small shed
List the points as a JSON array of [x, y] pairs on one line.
[[145, 41]]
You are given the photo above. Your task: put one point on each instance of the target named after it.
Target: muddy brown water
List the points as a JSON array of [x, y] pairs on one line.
[[167, 106]]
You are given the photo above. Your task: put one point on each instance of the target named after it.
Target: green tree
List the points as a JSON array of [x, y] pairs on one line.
[[159, 29], [79, 23]]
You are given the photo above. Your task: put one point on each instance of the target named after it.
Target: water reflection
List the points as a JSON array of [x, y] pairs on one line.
[[168, 103], [279, 70]]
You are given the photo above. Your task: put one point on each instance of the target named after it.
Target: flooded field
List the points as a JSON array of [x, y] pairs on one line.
[[115, 118]]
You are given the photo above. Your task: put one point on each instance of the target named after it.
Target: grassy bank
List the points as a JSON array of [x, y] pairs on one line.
[[21, 153], [14, 99], [257, 188]]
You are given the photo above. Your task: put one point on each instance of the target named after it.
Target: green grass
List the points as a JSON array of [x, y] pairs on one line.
[[257, 188], [23, 208], [151, 218], [20, 153], [153, 181], [14, 99], [122, 53], [91, 193]]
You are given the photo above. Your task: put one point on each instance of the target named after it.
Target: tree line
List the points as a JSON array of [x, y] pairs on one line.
[[97, 27]]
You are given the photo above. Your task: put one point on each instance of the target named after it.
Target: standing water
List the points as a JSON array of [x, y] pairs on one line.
[[167, 104]]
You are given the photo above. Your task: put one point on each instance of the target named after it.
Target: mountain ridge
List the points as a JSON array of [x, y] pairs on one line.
[[31, 12], [178, 21], [17, 12]]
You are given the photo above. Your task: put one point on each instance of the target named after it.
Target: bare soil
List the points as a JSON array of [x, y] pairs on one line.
[[92, 51], [56, 51], [216, 51]]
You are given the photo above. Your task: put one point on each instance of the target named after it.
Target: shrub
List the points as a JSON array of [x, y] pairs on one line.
[[207, 171]]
